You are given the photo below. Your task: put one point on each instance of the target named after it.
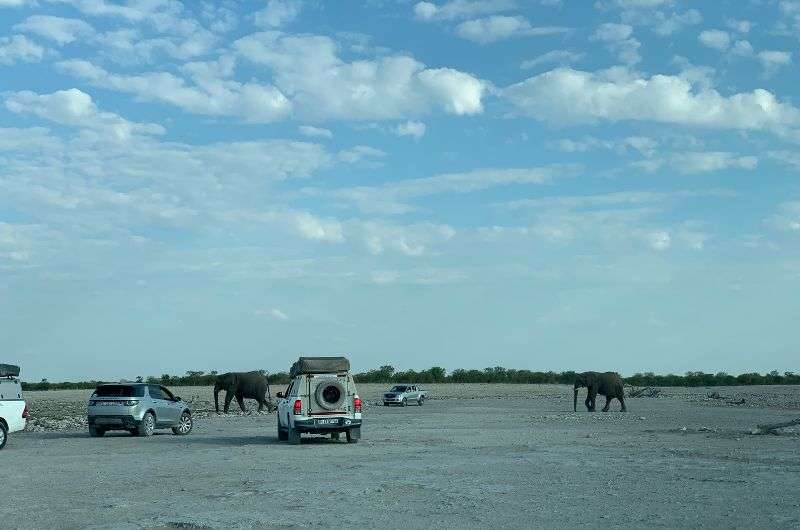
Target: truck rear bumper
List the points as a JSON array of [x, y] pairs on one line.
[[324, 425]]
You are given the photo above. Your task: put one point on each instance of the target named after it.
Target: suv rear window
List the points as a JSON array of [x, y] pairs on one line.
[[119, 391]]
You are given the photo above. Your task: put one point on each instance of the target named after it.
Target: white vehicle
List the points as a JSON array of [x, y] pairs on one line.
[[13, 409], [404, 394], [321, 399]]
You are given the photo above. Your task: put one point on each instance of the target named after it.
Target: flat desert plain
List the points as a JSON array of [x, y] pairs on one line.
[[499, 456]]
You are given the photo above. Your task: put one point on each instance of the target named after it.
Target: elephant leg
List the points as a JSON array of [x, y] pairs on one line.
[[608, 402], [228, 399], [622, 402], [260, 404], [240, 400], [591, 399]]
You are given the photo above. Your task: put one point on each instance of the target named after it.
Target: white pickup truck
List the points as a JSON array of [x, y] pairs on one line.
[[13, 409], [404, 394], [321, 399]]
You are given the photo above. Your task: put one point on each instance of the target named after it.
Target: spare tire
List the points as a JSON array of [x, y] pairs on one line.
[[330, 394]]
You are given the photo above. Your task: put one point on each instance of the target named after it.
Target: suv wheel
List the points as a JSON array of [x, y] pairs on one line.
[[185, 426], [293, 436], [282, 434], [148, 425], [95, 432], [3, 434], [353, 435], [421, 401], [404, 403]]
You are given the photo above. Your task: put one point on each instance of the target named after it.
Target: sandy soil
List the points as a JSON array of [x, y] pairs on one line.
[[505, 456]]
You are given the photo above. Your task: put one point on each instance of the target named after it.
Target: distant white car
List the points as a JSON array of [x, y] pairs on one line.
[[404, 394], [13, 409]]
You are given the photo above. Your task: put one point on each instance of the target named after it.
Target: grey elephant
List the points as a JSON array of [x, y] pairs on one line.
[[250, 385], [608, 384]]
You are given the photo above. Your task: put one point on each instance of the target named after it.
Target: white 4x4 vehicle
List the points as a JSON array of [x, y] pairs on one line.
[[13, 410], [321, 399]]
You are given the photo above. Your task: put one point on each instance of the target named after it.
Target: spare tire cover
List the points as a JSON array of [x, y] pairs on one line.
[[330, 394]]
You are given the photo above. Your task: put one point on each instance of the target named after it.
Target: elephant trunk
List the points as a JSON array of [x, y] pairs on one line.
[[575, 401]]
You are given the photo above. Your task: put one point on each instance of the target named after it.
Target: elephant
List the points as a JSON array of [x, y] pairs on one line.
[[251, 385], [608, 384]]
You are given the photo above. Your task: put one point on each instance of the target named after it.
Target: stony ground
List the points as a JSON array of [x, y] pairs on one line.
[[506, 456]]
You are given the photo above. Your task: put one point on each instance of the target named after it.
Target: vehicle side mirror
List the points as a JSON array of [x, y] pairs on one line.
[[279, 395]]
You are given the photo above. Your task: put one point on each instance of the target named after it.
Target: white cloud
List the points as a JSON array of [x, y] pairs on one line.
[[19, 48], [610, 32], [359, 153], [315, 132], [708, 161], [787, 218], [208, 95], [415, 129], [74, 107], [715, 38], [659, 240], [392, 198], [316, 228], [560, 57], [773, 60], [499, 27], [278, 13], [13, 3], [58, 29], [742, 26], [322, 86], [411, 240], [273, 313], [661, 16], [641, 144], [456, 9], [565, 95], [742, 48], [620, 198], [617, 38]]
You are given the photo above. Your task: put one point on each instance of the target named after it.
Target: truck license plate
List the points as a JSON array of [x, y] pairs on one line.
[[328, 421]]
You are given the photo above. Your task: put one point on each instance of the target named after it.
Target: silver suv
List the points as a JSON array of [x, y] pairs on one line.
[[138, 408]]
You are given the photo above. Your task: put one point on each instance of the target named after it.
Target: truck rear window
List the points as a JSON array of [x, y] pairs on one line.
[[119, 391]]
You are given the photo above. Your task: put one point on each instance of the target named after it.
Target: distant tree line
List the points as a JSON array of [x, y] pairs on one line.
[[387, 374]]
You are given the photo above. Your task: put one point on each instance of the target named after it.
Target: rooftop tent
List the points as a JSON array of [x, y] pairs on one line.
[[9, 370], [320, 365]]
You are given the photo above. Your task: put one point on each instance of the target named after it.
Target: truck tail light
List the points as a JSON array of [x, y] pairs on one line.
[[25, 413], [298, 405], [357, 404]]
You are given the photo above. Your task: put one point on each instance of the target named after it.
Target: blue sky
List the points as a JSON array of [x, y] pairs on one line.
[[534, 184]]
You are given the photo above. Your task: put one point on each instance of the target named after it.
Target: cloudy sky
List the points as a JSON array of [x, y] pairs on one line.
[[537, 184]]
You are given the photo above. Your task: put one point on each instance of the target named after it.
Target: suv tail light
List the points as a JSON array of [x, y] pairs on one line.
[[357, 404], [298, 405], [25, 413]]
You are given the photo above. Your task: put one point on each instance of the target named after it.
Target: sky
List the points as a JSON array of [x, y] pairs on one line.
[[538, 184]]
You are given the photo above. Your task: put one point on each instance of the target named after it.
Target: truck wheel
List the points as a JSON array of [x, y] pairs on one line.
[[421, 401], [404, 403], [293, 436], [282, 434], [95, 432], [185, 426], [353, 435], [147, 426], [3, 434]]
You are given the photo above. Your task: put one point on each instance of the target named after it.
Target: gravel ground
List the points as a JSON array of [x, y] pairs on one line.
[[506, 456]]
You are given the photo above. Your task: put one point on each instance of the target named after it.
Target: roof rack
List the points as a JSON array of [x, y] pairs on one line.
[[9, 370]]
